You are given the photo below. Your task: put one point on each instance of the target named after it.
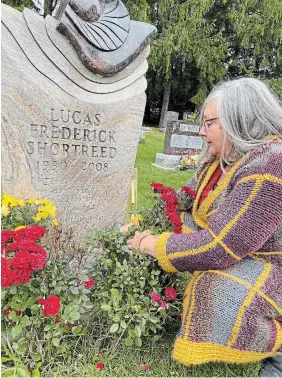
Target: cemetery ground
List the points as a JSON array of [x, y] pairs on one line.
[[97, 351]]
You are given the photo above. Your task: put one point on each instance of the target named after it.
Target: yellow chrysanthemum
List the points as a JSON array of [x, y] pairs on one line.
[[19, 228], [5, 210], [11, 201], [31, 201]]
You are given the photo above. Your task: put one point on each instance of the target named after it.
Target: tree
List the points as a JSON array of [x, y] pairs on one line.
[[201, 42]]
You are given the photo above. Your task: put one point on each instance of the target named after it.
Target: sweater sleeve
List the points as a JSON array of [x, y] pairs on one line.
[[248, 217]]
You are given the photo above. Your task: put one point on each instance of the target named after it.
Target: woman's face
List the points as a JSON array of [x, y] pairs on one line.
[[211, 129]]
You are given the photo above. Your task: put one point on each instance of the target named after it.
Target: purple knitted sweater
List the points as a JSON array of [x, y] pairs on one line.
[[232, 243]]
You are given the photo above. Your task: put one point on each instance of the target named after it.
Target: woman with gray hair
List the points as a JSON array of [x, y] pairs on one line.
[[231, 239]]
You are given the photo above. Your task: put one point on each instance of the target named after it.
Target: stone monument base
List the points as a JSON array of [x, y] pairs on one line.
[[167, 161]]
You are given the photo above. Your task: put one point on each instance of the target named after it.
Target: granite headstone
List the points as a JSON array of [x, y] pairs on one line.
[[73, 99]]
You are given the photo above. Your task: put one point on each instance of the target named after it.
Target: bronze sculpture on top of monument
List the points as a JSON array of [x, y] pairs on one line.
[[73, 100]]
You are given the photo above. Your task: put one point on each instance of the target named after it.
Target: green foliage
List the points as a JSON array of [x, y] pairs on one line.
[[18, 4], [124, 282]]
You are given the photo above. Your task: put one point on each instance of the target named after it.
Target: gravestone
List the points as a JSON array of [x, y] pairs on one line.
[[181, 138], [186, 116], [169, 117], [73, 100]]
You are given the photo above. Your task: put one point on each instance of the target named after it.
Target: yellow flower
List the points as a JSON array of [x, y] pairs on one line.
[[55, 223], [5, 210], [19, 228], [44, 212], [31, 201], [11, 201], [136, 220]]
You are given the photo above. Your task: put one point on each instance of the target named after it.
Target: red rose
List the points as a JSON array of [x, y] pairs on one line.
[[100, 366], [7, 277], [6, 235], [169, 198], [170, 293], [155, 297], [21, 260], [51, 305], [169, 189], [90, 283], [22, 275], [189, 191], [34, 232], [144, 367], [57, 320]]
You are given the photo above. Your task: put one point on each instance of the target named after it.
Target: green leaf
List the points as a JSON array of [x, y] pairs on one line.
[[36, 357], [56, 341], [16, 330], [138, 342], [74, 290], [114, 328], [105, 307], [123, 324], [47, 327], [128, 341], [138, 331]]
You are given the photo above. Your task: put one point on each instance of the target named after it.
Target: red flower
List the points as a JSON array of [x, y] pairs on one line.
[[22, 275], [38, 260], [100, 366], [7, 277], [20, 234], [51, 305], [169, 198], [170, 293], [169, 189], [157, 188], [21, 260], [6, 235], [90, 283], [189, 191], [5, 262], [57, 320], [155, 297], [162, 304], [34, 232], [177, 228], [25, 245], [144, 367]]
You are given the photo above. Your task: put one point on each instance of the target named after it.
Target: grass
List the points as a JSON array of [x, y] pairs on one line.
[[120, 361], [147, 173]]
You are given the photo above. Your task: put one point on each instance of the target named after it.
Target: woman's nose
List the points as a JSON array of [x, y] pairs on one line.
[[202, 131]]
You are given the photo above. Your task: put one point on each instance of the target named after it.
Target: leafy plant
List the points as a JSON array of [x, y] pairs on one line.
[[131, 290]]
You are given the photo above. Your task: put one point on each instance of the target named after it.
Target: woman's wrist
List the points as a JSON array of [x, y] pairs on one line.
[[148, 245]]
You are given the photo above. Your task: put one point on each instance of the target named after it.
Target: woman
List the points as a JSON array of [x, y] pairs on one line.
[[231, 240]]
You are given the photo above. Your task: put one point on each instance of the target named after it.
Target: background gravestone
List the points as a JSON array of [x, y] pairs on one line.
[[181, 138], [169, 117], [72, 111]]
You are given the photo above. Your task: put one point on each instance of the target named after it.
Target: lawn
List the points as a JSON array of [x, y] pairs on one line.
[[147, 173]]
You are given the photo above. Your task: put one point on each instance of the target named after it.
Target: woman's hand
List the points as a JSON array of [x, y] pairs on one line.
[[124, 229], [144, 242]]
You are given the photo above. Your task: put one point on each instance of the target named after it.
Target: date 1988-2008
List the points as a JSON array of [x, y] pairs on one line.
[[47, 165]]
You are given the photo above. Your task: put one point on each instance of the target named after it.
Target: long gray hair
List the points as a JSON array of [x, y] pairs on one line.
[[248, 111]]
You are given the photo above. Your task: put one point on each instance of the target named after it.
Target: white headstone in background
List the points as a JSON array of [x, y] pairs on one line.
[[184, 141]]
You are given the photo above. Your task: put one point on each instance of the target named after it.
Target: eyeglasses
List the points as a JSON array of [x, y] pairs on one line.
[[206, 126]]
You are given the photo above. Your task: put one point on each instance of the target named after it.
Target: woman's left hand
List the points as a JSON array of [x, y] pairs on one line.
[[144, 242]]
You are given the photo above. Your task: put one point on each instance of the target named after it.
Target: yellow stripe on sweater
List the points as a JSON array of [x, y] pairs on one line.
[[191, 309], [248, 300], [193, 353], [249, 286], [263, 177], [187, 294], [278, 341], [224, 231], [227, 249], [161, 253]]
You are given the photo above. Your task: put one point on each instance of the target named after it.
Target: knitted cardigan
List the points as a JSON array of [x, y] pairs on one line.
[[232, 243]]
